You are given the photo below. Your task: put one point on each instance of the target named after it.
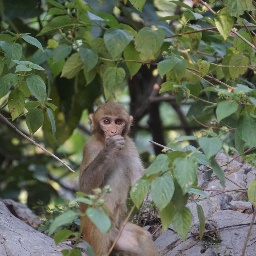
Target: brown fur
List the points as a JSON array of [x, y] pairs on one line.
[[110, 158]]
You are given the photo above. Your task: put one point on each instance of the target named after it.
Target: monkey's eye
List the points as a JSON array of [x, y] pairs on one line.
[[106, 121], [119, 121]]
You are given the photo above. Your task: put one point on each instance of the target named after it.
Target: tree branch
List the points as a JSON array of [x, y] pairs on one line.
[[33, 142]]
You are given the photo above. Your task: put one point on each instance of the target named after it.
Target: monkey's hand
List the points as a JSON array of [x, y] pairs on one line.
[[114, 143]]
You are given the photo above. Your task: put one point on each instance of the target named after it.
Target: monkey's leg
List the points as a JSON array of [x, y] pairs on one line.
[[135, 241]]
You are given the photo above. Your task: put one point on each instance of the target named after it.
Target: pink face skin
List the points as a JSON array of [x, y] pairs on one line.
[[111, 126]]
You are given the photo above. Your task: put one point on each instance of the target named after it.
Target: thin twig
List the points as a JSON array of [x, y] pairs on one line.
[[120, 231], [33, 142], [249, 232], [160, 145]]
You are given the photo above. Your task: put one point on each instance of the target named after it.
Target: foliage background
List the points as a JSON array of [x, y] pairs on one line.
[[184, 70]]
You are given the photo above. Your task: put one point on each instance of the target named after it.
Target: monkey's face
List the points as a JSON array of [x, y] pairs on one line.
[[111, 125]]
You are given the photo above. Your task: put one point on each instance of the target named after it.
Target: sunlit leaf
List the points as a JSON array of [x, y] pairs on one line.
[[72, 66], [224, 22]]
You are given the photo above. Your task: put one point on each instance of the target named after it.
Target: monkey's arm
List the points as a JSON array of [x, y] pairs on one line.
[[94, 169]]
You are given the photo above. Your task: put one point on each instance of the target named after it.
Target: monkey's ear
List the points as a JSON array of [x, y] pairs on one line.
[[91, 122]]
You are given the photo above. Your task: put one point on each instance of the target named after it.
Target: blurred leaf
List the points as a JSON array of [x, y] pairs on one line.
[[99, 219], [138, 4], [59, 22], [238, 60], [252, 192], [62, 235], [65, 218]]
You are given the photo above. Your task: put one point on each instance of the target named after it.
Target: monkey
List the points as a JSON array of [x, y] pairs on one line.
[[110, 158]]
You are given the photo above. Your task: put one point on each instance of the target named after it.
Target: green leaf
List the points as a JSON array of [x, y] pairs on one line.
[[185, 138], [185, 172], [31, 40], [116, 40], [182, 221], [160, 165], [61, 52], [57, 23], [89, 58], [111, 78], [168, 86], [139, 191], [203, 67], [238, 60], [37, 87], [56, 4], [218, 171], [27, 64], [65, 218], [224, 22], [198, 192], [238, 7], [72, 66], [247, 129], [138, 4], [131, 54], [225, 109], [162, 189], [6, 82], [148, 42], [181, 4], [16, 103], [34, 119], [252, 192], [56, 11], [210, 146], [165, 66], [177, 72], [13, 51], [62, 235], [52, 120], [200, 213], [167, 215], [99, 218]]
